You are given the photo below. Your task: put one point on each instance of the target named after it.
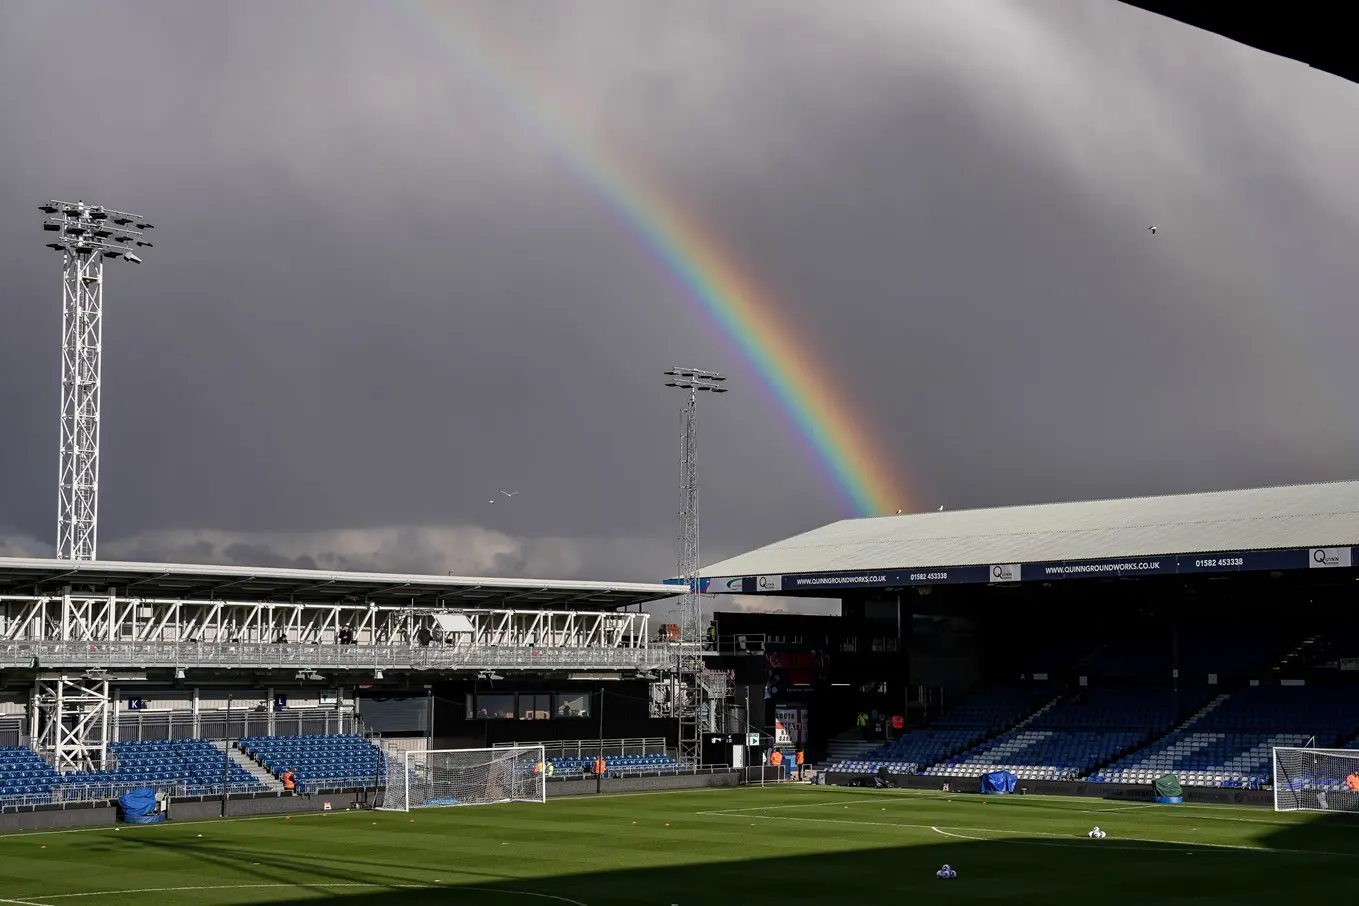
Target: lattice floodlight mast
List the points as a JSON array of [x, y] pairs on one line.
[[688, 688], [85, 234]]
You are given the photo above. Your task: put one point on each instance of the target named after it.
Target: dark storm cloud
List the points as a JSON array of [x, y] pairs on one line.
[[377, 298]]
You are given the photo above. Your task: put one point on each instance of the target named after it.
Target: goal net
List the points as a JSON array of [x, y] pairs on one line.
[[1316, 780], [436, 777]]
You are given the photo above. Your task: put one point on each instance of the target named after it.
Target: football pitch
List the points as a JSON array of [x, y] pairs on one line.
[[778, 845]]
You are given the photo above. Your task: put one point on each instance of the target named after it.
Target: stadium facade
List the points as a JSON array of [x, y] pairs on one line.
[[1184, 600], [94, 653]]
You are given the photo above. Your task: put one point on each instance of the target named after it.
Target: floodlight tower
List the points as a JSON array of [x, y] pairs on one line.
[[86, 235], [689, 686]]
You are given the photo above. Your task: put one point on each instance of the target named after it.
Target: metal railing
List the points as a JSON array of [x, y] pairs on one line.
[[342, 657], [594, 748], [650, 770]]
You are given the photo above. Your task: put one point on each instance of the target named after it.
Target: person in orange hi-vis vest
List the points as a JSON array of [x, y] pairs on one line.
[[776, 761], [1352, 782], [289, 781], [799, 759]]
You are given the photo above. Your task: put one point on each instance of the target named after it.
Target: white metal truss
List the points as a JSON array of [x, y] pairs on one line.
[[85, 235], [81, 346], [689, 692], [107, 628], [70, 721]]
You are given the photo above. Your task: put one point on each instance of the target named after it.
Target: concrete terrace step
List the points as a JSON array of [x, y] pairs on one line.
[[256, 770]]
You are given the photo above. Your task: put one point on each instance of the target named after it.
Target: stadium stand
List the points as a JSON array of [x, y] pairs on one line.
[[1231, 744], [1076, 736], [23, 773], [615, 765], [980, 715], [196, 763], [318, 761]]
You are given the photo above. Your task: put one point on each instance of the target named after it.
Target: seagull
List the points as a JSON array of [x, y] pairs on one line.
[[940, 510], [1153, 230], [506, 493]]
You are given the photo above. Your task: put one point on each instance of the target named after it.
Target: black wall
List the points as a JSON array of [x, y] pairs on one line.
[[617, 710]]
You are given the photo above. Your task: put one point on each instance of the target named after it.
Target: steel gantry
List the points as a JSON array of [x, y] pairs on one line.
[[109, 629]]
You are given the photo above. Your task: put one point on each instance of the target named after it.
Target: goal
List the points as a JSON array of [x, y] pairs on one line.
[[1315, 780], [439, 777]]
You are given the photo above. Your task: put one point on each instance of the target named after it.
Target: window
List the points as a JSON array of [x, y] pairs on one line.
[[573, 704], [495, 706], [535, 706]]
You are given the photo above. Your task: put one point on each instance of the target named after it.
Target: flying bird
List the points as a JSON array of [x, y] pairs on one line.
[[1153, 230], [506, 493]]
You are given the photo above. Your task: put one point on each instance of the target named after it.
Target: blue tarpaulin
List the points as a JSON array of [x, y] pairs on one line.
[[139, 807], [999, 782]]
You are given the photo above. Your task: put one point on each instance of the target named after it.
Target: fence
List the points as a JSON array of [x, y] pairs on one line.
[[143, 726], [595, 748], [34, 655]]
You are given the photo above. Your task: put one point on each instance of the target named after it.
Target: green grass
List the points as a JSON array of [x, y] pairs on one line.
[[748, 847]]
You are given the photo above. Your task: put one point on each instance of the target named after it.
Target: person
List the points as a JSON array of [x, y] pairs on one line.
[[289, 781], [346, 635], [776, 762], [1352, 782], [946, 874], [1096, 833], [799, 760]]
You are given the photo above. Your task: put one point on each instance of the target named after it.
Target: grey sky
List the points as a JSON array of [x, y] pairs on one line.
[[376, 298]]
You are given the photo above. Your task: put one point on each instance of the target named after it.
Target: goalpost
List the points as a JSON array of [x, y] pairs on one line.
[[1315, 780], [440, 777]]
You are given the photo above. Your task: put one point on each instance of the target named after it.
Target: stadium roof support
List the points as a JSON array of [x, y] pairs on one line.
[[1263, 519], [305, 586], [1290, 32]]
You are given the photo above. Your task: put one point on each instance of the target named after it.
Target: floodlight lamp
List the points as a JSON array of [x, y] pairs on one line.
[[179, 673], [49, 209], [144, 244], [133, 258], [56, 245], [146, 226], [122, 221]]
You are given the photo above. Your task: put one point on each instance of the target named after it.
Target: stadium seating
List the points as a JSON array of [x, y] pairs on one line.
[[1203, 759], [195, 763], [614, 765], [24, 773], [1041, 754], [318, 761], [1076, 736], [1231, 745], [978, 716]]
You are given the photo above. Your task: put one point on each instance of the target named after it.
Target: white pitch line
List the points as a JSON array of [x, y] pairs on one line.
[[308, 886], [1070, 841], [959, 836]]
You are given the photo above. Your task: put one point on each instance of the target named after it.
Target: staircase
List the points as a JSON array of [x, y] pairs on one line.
[[270, 782], [1200, 713], [848, 746], [1031, 718]]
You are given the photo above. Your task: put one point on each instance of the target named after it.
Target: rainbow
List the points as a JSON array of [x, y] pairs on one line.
[[750, 318]]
